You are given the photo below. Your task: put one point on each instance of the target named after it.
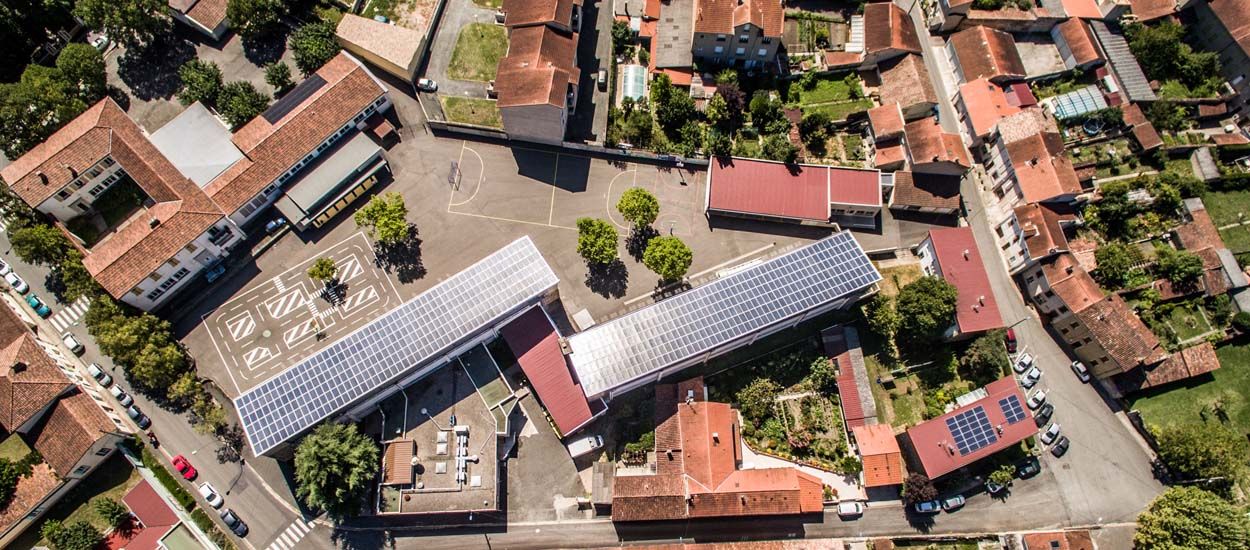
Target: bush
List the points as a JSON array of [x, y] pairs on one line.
[[201, 81], [757, 399], [1241, 322], [313, 45], [181, 495], [206, 524], [113, 512], [278, 75], [9, 475], [239, 102], [78, 535]]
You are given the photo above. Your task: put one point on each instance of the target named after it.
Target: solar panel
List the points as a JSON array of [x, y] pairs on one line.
[[699, 320], [293, 98], [972, 430], [394, 344], [1011, 409]]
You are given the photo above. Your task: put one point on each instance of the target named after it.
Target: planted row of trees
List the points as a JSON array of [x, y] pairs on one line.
[[598, 240]]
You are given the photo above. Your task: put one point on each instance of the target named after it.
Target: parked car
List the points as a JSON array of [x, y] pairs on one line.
[[16, 282], [1042, 416], [1030, 379], [1037, 398], [36, 304], [928, 507], [141, 419], [185, 468], [4, 268], [1028, 467], [1023, 362], [1060, 447], [1051, 433], [584, 445], [102, 377], [953, 503], [1010, 340], [1081, 371], [211, 495], [100, 42], [851, 509], [602, 79], [72, 343], [234, 523], [427, 85], [274, 225], [121, 395]]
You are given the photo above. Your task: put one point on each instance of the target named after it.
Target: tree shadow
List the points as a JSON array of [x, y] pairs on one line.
[[638, 239], [119, 96], [266, 48], [403, 257], [607, 280], [151, 71]]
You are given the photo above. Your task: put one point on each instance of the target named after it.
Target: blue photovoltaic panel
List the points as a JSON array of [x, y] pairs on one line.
[[611, 354], [1011, 409], [971, 430], [394, 344]]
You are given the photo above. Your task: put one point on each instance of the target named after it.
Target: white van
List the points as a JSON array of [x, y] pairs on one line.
[[583, 445]]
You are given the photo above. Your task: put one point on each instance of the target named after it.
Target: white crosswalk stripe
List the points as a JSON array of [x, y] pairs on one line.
[[290, 537], [68, 315]]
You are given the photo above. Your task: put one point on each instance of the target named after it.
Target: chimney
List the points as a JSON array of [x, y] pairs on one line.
[[950, 450], [715, 438], [967, 253], [669, 454], [153, 223], [999, 428], [1033, 161], [43, 178], [19, 366], [689, 397], [981, 300]]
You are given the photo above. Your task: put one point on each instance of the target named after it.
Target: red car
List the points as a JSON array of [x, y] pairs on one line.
[[1011, 340], [185, 468]]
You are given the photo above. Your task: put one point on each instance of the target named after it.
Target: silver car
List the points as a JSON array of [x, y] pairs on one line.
[[121, 395], [1036, 399], [1023, 362], [1051, 433], [1030, 379]]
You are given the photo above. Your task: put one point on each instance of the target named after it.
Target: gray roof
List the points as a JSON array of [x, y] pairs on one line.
[[1123, 64], [702, 319], [674, 35], [1236, 277], [197, 143], [333, 167]]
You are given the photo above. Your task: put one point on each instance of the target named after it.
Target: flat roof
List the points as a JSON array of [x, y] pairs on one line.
[[197, 144], [332, 167], [393, 345], [534, 341], [975, 431], [960, 262], [612, 354]]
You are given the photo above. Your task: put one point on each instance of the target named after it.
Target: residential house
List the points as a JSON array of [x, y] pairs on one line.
[[737, 33], [1077, 46], [537, 81], [885, 137], [1198, 235], [905, 80], [156, 525], [1195, 360], [952, 254], [1143, 131], [925, 193], [888, 33], [1223, 26], [807, 194], [981, 52], [205, 16], [1042, 228], [1060, 540], [981, 104], [560, 15], [1149, 10], [998, 419], [392, 48], [931, 150], [880, 454], [698, 456]]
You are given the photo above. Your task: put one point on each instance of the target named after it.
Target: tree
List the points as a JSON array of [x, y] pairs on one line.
[[814, 129], [40, 245], [334, 466], [78, 535], [778, 147], [239, 102], [207, 416], [756, 400], [1191, 518], [622, 37], [253, 18], [101, 315], [823, 375], [927, 307], [1179, 266], [1241, 322], [131, 22], [278, 75], [185, 390], [1168, 116], [717, 111], [1116, 263], [673, 106], [918, 488], [985, 358], [385, 218], [735, 103], [324, 270], [1003, 476], [113, 512], [1114, 213], [82, 67], [158, 364], [77, 280], [638, 206], [1167, 199], [1201, 451], [34, 108], [882, 317], [668, 257], [597, 240], [717, 144], [201, 81], [767, 115], [9, 475], [313, 45], [1164, 54]]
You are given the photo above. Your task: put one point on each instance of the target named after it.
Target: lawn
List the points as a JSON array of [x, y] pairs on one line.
[[1187, 320], [482, 112], [894, 278], [1191, 401], [489, 4], [13, 448], [826, 90], [1100, 151], [1223, 206], [839, 111], [1237, 239], [853, 145], [118, 202], [110, 480], [478, 50], [926, 545]]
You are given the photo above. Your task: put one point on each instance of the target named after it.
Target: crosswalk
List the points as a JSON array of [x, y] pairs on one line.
[[69, 315], [290, 538]]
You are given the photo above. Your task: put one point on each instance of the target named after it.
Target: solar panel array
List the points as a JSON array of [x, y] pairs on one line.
[[1011, 409], [393, 344], [611, 354], [972, 430]]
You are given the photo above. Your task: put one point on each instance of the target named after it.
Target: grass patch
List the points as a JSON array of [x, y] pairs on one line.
[[1223, 206], [1237, 239], [839, 111], [926, 545], [1188, 320], [826, 90], [119, 201], [386, 8], [478, 50], [113, 479], [206, 524], [852, 144], [1193, 401], [482, 112], [13, 448], [894, 278]]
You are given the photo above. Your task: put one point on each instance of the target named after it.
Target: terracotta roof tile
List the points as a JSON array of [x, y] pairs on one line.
[[934, 443], [396, 44], [1187, 363], [29, 492], [1025, 124], [1199, 233], [837, 60], [1080, 39], [209, 13], [886, 121], [539, 12], [69, 431], [891, 155], [540, 65], [1043, 235], [986, 104], [1070, 540], [880, 454], [926, 191], [1042, 170], [928, 143], [1209, 110], [959, 260], [887, 27], [905, 81], [1087, 9], [1228, 139], [397, 462], [723, 16], [1119, 331], [987, 53], [1074, 286], [1147, 10]]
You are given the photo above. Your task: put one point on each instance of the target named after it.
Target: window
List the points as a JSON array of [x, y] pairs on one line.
[[81, 469], [192, 248], [719, 49], [1063, 309], [743, 39], [173, 262], [62, 194], [136, 291], [763, 52], [104, 451], [155, 294], [999, 230], [766, 40], [155, 276], [741, 51], [1063, 330], [107, 162], [1077, 344], [1050, 294]]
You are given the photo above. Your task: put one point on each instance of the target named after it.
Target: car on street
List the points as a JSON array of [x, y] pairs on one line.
[[99, 41], [953, 503], [602, 79], [4, 268], [141, 419], [427, 85], [1028, 468], [185, 468], [122, 397], [100, 376], [1030, 379], [1042, 416], [1023, 362], [1010, 340], [1037, 398], [41, 309], [16, 282], [72, 343], [1060, 447], [928, 507], [211, 495], [850, 509], [1051, 433], [234, 523], [1081, 371]]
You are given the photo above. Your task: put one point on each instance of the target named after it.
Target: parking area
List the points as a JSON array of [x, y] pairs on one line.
[[278, 321]]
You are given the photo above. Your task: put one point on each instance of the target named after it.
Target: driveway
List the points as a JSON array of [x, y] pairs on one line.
[[456, 15]]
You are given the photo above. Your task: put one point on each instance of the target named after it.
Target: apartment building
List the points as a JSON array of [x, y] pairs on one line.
[[737, 33]]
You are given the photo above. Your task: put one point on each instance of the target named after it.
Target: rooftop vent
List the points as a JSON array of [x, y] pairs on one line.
[[153, 223], [43, 178], [19, 366], [715, 438]]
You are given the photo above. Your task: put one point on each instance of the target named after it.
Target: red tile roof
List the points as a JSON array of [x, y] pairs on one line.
[[397, 462], [1228, 139], [838, 60], [152, 510], [1080, 40], [1187, 363], [1087, 9], [536, 345], [905, 81], [30, 491], [928, 143], [926, 191], [1042, 169], [1119, 331], [1146, 10], [1235, 15], [802, 191], [1070, 540], [886, 121], [961, 265], [24, 390], [887, 27], [723, 16], [1206, 110], [209, 13], [1199, 232], [986, 104], [1043, 235], [540, 65], [987, 53], [935, 445], [538, 12], [880, 454], [889, 156], [74, 425], [1074, 286]]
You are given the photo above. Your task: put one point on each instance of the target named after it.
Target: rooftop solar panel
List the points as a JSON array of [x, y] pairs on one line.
[[611, 354], [971, 430], [394, 344], [293, 98], [1011, 409]]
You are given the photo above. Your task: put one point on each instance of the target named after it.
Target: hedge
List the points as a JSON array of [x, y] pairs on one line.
[[206, 524], [181, 495]]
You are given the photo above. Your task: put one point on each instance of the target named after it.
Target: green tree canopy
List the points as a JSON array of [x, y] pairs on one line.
[[778, 147], [185, 390], [1164, 54], [767, 115], [239, 102], [385, 218], [40, 245], [201, 81], [278, 75], [253, 18], [323, 270], [918, 488], [1206, 450], [622, 37], [1192, 519], [334, 466], [927, 307], [313, 45], [881, 315], [1116, 263], [113, 512], [673, 106], [668, 257], [35, 107], [82, 67], [756, 400], [78, 535], [1168, 116], [597, 240], [638, 206], [984, 360], [77, 280], [9, 475], [814, 129], [131, 22], [1004, 475], [1179, 266]]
